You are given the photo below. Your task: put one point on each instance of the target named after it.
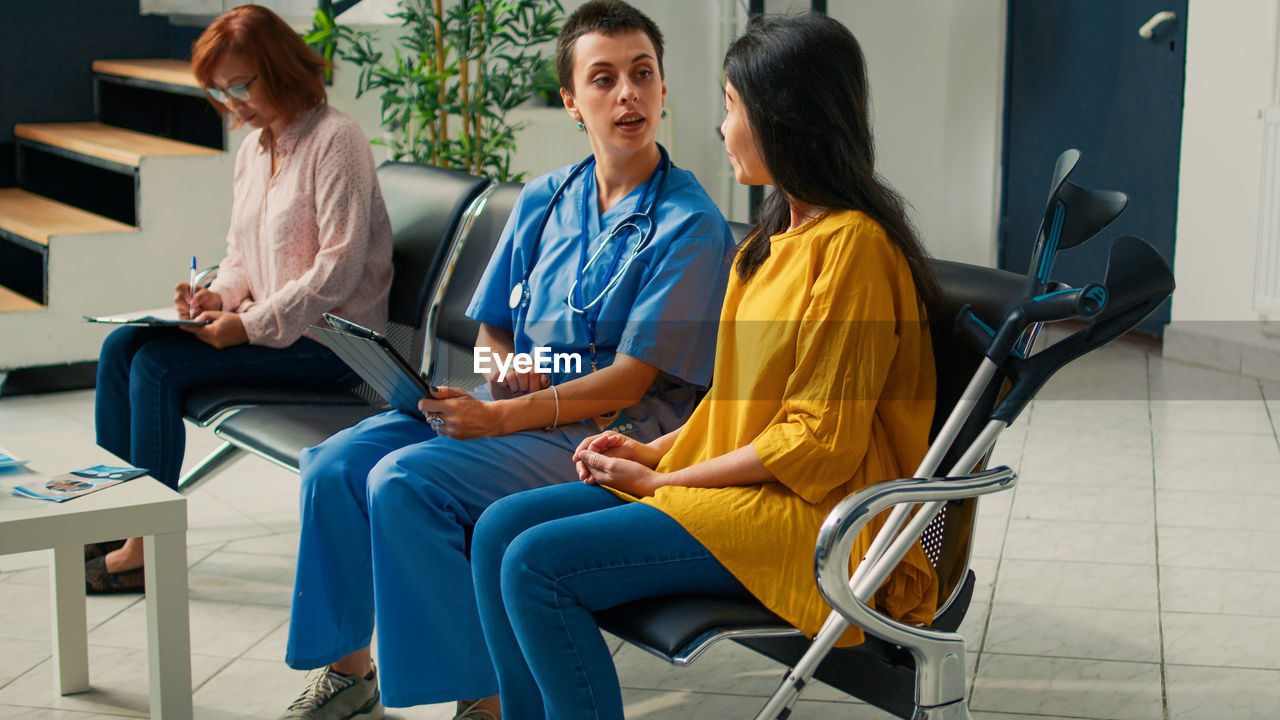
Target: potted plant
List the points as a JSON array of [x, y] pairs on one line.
[[453, 74]]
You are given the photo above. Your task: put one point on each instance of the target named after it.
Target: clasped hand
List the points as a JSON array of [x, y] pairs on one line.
[[224, 329], [620, 462]]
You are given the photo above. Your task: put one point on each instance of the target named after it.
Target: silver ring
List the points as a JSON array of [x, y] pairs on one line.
[[435, 419]]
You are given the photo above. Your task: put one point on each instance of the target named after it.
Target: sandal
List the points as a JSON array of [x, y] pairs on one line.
[[98, 581], [98, 549]]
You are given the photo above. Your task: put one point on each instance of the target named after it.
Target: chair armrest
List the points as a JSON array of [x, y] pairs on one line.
[[205, 277], [939, 655]]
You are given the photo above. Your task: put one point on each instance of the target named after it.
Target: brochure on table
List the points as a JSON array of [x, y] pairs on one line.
[[76, 483]]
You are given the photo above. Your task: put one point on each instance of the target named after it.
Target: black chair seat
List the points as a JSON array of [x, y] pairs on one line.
[[672, 624], [204, 404], [279, 433]]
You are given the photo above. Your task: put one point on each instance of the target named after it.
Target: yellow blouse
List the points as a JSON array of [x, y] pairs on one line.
[[824, 364]]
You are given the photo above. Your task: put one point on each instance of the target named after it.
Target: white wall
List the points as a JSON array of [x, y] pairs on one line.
[[937, 88], [1231, 75], [937, 73]]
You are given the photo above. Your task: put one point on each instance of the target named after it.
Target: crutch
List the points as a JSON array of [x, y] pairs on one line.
[[1138, 280], [1090, 211]]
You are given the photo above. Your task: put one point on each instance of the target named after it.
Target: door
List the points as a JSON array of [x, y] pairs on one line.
[[1080, 75]]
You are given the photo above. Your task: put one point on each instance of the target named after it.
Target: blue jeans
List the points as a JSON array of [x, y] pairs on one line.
[[543, 561], [386, 506], [144, 372]]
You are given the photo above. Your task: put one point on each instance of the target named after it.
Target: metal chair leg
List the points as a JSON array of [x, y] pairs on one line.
[[211, 465]]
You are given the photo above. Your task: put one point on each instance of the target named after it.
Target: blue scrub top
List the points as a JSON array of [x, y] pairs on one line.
[[665, 309]]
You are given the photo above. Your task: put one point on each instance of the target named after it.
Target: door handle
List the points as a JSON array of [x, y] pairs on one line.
[[1148, 29]]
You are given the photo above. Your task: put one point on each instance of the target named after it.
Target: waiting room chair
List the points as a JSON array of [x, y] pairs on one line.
[[278, 433], [427, 206], [679, 628]]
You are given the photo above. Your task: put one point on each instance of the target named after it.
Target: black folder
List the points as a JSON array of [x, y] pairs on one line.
[[375, 359]]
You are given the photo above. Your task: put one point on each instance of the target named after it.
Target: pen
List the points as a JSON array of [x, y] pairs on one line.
[[191, 286]]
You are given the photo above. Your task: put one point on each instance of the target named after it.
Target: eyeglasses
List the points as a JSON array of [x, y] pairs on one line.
[[239, 92]]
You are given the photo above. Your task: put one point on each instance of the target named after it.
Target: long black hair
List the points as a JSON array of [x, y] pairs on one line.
[[803, 83]]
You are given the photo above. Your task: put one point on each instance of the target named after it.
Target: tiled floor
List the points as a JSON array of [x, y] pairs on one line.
[[1134, 573]]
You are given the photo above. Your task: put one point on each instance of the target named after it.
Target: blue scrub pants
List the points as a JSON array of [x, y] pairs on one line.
[[385, 509], [544, 560], [144, 372]]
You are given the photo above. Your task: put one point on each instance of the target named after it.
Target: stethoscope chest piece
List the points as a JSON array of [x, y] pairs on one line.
[[519, 295]]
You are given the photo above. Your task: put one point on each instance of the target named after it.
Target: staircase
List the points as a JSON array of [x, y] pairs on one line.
[[108, 213]]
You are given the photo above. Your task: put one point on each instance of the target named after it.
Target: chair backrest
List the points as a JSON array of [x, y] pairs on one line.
[[427, 205], [453, 334], [992, 294]]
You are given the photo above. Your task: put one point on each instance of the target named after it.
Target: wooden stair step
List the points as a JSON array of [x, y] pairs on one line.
[[167, 72], [105, 142], [11, 301], [36, 217]]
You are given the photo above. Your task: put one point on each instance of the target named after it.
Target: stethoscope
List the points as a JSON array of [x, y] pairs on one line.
[[631, 221]]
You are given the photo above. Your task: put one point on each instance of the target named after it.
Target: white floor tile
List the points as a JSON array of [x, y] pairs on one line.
[[217, 628], [1235, 416], [1055, 443], [1222, 476], [1196, 693], [27, 614], [23, 561], [1221, 592], [1072, 414], [33, 713], [1067, 540], [1104, 503], [117, 678], [1176, 446], [1085, 633], [1068, 688], [281, 545], [271, 648], [1079, 585], [1172, 380], [1084, 468], [1228, 548], [1221, 640], [665, 704], [1178, 508], [20, 656], [243, 578]]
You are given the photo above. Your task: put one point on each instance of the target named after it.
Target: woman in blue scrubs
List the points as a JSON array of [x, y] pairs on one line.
[[621, 261]]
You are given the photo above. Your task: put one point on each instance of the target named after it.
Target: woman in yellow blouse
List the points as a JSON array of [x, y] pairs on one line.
[[824, 384]]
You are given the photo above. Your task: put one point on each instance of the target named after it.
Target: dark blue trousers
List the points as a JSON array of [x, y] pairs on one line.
[[144, 372]]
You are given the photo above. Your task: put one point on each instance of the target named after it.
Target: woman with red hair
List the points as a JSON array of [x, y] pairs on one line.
[[309, 234]]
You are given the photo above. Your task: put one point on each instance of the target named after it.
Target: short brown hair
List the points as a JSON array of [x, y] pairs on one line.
[[291, 73], [607, 17]]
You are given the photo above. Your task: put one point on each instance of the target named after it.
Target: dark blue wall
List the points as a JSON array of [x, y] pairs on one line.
[[47, 48]]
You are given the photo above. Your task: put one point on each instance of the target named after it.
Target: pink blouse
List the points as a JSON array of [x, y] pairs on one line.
[[314, 238]]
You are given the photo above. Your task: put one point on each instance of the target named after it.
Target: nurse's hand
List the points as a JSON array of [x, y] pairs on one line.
[[515, 384], [615, 445], [628, 476], [459, 415]]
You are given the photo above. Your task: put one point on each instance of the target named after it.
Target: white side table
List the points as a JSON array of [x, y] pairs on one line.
[[139, 507]]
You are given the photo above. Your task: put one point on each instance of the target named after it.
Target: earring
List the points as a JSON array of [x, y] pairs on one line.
[[580, 127], [664, 112]]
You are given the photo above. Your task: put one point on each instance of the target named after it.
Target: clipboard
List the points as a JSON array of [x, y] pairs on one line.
[[162, 316], [377, 361]]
